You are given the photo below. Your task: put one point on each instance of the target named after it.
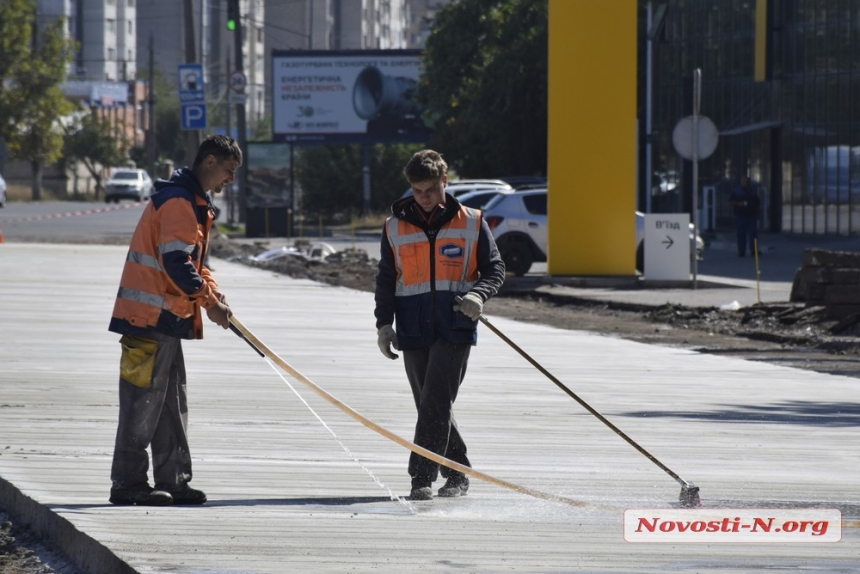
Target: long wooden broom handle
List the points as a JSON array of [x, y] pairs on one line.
[[261, 348]]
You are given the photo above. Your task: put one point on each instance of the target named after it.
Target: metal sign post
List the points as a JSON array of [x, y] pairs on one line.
[[695, 137], [697, 87]]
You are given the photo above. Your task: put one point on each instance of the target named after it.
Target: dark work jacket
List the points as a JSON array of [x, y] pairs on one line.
[[164, 282], [420, 320]]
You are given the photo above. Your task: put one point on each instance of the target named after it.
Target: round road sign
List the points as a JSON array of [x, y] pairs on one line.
[[238, 82], [682, 138]]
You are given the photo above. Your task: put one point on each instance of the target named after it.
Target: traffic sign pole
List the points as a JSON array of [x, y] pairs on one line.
[[697, 87]]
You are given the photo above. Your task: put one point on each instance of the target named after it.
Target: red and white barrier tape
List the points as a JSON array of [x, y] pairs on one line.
[[73, 213]]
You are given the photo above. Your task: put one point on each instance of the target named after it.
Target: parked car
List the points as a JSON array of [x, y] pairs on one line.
[[519, 225], [463, 186], [525, 181], [134, 184], [2, 192], [479, 198]]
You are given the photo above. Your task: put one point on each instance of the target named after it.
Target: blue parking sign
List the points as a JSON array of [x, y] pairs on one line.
[[191, 84], [193, 116]]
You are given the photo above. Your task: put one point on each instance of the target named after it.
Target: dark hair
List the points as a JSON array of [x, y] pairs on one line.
[[222, 147], [424, 166]]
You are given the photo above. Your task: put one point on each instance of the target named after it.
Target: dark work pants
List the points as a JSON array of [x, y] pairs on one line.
[[435, 374], [155, 417], [747, 227]]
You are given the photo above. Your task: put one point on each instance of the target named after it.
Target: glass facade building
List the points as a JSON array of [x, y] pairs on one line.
[[795, 131]]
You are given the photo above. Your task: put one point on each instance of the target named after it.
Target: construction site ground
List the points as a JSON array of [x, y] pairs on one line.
[[751, 432]]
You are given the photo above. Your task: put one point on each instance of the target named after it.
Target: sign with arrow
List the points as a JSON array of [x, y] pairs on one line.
[[667, 246]]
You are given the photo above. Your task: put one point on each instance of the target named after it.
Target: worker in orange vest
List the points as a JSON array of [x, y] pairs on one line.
[[165, 284], [439, 264]]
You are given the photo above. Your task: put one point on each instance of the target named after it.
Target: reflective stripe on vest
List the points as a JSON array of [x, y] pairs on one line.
[[143, 259], [176, 246], [456, 246], [141, 297]]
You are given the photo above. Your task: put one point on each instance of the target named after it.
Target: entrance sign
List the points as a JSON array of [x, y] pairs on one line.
[[667, 246]]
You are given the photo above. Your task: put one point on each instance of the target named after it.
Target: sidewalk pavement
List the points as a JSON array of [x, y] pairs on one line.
[[722, 278], [296, 488]]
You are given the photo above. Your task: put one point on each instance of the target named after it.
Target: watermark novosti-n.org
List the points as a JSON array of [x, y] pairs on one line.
[[748, 525]]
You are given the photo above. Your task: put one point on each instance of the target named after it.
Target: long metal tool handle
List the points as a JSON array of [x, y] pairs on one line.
[[585, 405], [263, 350]]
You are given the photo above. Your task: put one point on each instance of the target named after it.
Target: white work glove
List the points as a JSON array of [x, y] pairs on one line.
[[387, 338], [471, 305]]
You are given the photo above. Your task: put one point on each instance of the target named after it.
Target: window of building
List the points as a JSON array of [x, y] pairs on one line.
[[110, 25], [131, 27]]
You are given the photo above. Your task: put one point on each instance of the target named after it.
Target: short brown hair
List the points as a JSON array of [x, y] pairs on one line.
[[425, 165], [222, 147]]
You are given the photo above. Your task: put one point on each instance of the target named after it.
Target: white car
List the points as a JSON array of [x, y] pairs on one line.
[[480, 198], [2, 192], [134, 184], [463, 186], [519, 225]]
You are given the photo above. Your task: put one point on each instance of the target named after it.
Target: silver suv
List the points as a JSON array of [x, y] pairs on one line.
[[518, 221]]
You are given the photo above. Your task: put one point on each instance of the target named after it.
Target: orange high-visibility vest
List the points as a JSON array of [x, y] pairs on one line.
[[176, 223], [427, 282]]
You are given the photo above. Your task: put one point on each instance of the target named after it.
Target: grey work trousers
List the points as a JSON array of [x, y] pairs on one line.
[[154, 417], [435, 374]]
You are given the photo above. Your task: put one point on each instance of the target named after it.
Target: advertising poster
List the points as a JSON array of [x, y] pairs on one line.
[[269, 178], [365, 96]]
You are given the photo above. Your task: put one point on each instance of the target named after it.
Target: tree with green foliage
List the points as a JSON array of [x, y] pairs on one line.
[[331, 178], [93, 143], [31, 101], [262, 130], [484, 86]]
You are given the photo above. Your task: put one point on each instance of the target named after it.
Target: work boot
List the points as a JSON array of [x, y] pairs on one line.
[[188, 496], [421, 493], [421, 489], [456, 485], [141, 495]]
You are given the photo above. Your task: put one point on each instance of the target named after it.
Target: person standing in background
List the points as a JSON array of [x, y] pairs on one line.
[[747, 210]]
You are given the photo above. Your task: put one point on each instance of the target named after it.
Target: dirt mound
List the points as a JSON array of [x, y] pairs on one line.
[[791, 334]]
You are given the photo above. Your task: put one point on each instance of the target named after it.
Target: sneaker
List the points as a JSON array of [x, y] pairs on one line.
[[455, 486], [187, 495], [421, 493], [143, 495]]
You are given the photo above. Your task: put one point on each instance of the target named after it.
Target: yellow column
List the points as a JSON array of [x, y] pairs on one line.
[[760, 68], [592, 137]]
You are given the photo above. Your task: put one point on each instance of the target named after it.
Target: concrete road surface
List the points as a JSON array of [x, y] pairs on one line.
[[302, 487]]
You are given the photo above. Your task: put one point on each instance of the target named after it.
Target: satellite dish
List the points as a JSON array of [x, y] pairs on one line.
[[682, 137]]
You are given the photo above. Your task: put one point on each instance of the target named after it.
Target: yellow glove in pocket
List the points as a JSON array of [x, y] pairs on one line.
[[138, 360]]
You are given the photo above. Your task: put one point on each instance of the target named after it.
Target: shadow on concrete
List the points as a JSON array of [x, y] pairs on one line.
[[343, 501], [791, 412]]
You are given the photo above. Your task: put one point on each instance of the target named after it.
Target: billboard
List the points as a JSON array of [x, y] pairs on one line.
[[365, 96]]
